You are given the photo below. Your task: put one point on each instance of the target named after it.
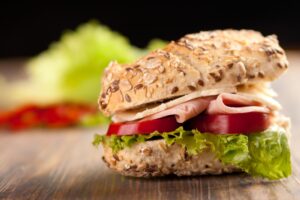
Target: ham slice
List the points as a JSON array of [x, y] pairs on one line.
[[227, 103], [224, 103], [184, 111], [140, 113]]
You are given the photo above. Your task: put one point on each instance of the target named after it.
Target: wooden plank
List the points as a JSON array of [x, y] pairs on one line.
[[62, 164]]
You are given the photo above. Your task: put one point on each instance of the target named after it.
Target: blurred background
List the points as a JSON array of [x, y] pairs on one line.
[[52, 54], [27, 28]]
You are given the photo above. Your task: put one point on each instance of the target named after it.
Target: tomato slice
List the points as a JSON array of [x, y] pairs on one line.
[[230, 123], [219, 124], [165, 124]]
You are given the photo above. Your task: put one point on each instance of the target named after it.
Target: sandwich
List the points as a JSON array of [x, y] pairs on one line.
[[201, 105]]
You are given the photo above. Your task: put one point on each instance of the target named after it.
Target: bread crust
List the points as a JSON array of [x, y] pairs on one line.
[[156, 158], [200, 61]]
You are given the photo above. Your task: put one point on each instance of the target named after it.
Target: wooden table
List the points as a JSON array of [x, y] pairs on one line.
[[62, 164]]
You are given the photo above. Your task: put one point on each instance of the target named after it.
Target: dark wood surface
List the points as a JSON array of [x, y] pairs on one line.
[[62, 164]]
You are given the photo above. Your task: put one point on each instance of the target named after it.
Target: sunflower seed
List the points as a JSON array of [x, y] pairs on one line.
[[152, 63], [125, 85], [149, 78]]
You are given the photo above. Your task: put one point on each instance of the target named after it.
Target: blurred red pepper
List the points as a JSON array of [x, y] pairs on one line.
[[52, 116]]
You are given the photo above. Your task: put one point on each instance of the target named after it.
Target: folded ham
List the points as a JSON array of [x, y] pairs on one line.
[[184, 111], [225, 103]]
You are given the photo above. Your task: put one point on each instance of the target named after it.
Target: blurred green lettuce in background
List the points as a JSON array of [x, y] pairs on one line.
[[70, 70]]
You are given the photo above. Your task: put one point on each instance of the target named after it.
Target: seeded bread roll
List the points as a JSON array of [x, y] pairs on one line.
[[156, 158], [196, 62]]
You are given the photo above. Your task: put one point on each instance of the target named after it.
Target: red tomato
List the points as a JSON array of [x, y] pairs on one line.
[[230, 123], [165, 124]]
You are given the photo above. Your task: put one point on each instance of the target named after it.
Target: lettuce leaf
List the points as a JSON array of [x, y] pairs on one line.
[[264, 154], [270, 154], [71, 68]]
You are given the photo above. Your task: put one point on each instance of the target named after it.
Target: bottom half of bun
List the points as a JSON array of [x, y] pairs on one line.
[[156, 158]]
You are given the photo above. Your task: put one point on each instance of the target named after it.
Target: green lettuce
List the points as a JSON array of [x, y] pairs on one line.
[[71, 68], [264, 154]]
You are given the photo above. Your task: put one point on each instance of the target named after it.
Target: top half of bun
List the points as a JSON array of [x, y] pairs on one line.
[[200, 61]]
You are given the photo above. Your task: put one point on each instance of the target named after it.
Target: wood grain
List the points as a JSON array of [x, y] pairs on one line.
[[62, 164]]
